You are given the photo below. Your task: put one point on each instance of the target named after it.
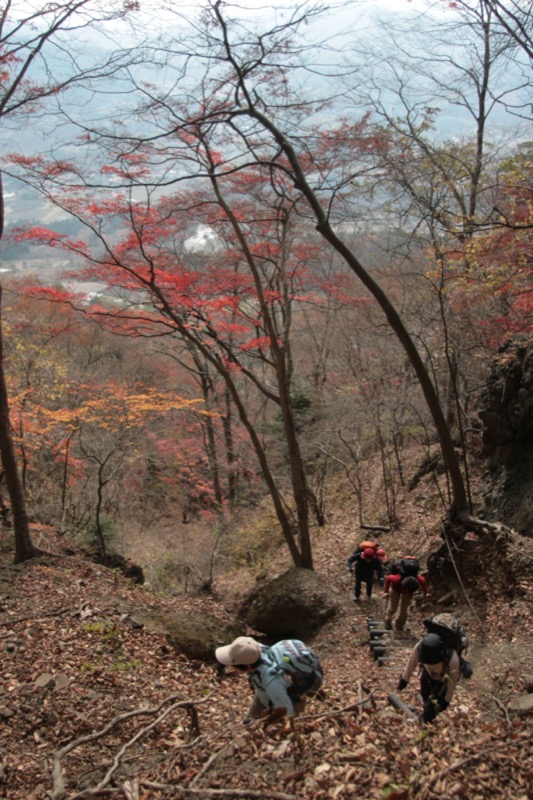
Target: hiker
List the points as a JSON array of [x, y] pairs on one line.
[[399, 591], [280, 676], [406, 566], [364, 563], [367, 543], [439, 673], [452, 632]]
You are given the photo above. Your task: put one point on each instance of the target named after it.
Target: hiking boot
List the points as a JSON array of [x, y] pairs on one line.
[[357, 599], [388, 625]]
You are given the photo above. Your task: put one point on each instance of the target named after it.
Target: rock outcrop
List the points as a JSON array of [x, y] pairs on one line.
[[505, 409], [194, 634]]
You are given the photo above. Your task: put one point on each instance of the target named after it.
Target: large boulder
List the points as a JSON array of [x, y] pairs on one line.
[[195, 634], [296, 604]]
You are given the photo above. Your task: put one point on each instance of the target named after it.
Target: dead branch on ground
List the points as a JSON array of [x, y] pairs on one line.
[[260, 794], [59, 792]]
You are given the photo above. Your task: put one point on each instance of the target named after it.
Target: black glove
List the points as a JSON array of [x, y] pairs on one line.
[[430, 711], [465, 668], [294, 694], [401, 684]]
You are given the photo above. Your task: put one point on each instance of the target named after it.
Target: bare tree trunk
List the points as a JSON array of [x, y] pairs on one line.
[[460, 504], [98, 516], [210, 441], [24, 548], [227, 424], [281, 358]]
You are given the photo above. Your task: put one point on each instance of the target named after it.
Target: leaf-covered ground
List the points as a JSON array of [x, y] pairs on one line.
[[92, 705]]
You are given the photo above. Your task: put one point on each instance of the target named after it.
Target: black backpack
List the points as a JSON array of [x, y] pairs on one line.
[[454, 636], [409, 566]]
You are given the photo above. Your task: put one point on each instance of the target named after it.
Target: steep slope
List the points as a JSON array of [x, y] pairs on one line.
[[94, 705]]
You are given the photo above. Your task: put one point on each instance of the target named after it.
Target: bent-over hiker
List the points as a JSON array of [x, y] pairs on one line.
[[280, 676], [439, 673], [364, 563], [399, 591]]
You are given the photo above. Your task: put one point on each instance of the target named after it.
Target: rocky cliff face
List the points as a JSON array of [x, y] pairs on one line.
[[505, 409]]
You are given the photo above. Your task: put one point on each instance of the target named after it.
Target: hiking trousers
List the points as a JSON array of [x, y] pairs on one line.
[[432, 690], [401, 601], [359, 580]]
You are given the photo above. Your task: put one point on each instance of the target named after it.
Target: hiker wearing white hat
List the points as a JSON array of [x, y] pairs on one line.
[[280, 676]]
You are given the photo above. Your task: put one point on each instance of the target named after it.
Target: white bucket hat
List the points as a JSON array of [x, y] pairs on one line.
[[244, 650]]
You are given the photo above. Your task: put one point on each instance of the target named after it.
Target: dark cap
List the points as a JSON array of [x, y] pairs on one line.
[[432, 649]]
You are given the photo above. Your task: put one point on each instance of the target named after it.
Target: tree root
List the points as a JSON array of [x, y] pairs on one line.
[[496, 530], [59, 792]]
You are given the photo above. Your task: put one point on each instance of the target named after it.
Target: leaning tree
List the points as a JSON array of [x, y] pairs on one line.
[[246, 98], [236, 108]]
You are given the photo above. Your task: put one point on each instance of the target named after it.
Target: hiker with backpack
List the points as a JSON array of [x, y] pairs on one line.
[[399, 589], [439, 657], [439, 673], [368, 543], [281, 676], [364, 563]]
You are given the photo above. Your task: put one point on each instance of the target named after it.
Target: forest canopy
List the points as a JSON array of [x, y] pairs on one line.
[[272, 244]]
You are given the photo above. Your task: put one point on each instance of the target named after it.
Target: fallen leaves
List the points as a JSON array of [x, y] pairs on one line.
[[90, 693]]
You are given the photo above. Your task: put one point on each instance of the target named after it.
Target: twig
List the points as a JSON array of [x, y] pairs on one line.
[[502, 707], [118, 756], [376, 528], [228, 748], [400, 705], [131, 789], [44, 615], [360, 696], [253, 725], [422, 794], [259, 793], [57, 613], [345, 710], [213, 734], [58, 791]]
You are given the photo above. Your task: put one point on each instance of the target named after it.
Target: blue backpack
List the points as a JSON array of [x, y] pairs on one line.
[[297, 660]]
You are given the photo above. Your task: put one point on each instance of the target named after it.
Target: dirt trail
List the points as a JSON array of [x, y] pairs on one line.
[[73, 663]]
